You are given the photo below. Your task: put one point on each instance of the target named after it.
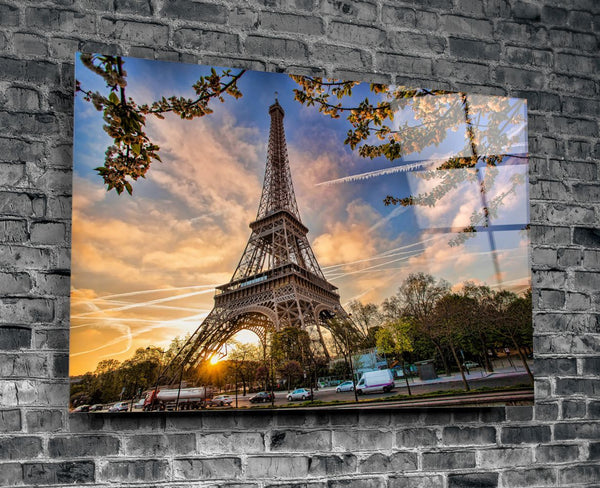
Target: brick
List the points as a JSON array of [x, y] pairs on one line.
[[531, 434], [140, 32], [156, 444], [303, 24], [293, 440], [47, 232], [468, 435], [20, 98], [16, 150], [520, 413], [277, 48], [527, 11], [590, 366], [9, 15], [416, 437], [208, 468], [449, 460], [588, 237], [31, 124], [520, 77], [586, 192], [397, 63], [420, 481], [578, 302], [574, 40], [578, 323], [587, 281], [26, 310], [20, 448], [471, 49], [464, 26], [332, 465], [13, 231], [343, 56], [356, 482], [270, 467], [53, 473], [23, 365], [148, 470], [357, 34], [567, 344], [15, 283], [30, 44], [421, 44], [11, 473], [552, 299], [574, 386], [505, 457], [523, 33], [137, 7], [549, 279], [352, 10], [83, 446], [360, 440], [382, 463], [530, 477], [231, 442], [470, 480], [580, 474], [556, 454], [554, 366], [546, 411], [11, 174], [195, 11], [44, 420], [10, 421], [13, 338]]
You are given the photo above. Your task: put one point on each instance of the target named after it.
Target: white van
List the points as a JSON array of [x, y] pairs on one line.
[[381, 380]]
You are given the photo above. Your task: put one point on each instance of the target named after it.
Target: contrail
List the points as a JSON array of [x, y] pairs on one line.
[[386, 254], [380, 172], [156, 290], [150, 302]]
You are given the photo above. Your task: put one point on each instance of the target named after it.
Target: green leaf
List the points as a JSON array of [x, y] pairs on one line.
[[113, 98]]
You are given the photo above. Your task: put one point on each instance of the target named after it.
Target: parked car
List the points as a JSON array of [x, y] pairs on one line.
[[381, 380], [82, 408], [470, 365], [220, 401], [96, 407], [119, 407], [300, 394], [262, 397], [139, 405], [345, 386]]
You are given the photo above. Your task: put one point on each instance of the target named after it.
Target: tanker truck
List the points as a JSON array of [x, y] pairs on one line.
[[166, 398]]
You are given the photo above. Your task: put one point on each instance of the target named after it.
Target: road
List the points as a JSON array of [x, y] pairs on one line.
[[329, 394]]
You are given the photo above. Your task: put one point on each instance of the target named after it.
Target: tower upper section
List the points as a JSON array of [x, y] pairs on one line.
[[278, 190]]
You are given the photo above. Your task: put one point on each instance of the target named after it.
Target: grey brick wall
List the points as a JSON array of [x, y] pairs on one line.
[[545, 51]]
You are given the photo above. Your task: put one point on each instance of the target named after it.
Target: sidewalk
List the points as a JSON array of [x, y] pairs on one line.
[[479, 373]]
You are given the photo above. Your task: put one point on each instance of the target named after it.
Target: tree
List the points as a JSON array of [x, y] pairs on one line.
[[452, 314], [435, 111], [365, 316], [394, 338], [416, 299], [514, 321]]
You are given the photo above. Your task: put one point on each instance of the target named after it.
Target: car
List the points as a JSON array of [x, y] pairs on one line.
[[262, 397], [470, 365], [82, 408], [375, 381], [139, 405], [119, 407], [299, 394], [345, 386], [96, 407], [220, 401]]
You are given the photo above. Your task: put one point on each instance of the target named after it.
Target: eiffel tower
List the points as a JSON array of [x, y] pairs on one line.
[[278, 282]]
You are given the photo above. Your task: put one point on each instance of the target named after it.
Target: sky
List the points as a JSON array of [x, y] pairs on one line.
[[144, 267]]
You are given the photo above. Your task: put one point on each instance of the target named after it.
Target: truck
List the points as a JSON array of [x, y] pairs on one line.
[[375, 381], [167, 398]]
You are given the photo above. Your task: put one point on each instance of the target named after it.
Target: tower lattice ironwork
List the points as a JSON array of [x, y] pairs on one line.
[[278, 282]]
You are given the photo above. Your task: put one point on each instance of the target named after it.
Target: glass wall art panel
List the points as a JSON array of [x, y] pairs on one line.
[[245, 239]]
